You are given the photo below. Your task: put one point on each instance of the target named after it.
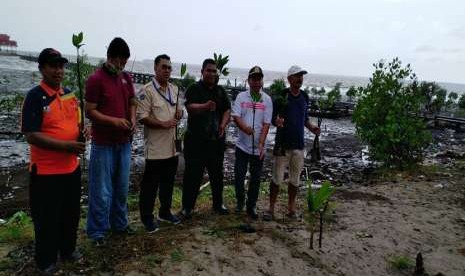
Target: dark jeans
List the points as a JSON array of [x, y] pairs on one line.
[[55, 208], [240, 169], [158, 176], [199, 155]]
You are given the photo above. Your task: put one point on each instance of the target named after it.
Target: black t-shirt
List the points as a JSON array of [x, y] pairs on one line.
[[204, 126]]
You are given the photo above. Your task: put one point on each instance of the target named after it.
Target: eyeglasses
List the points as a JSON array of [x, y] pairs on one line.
[[213, 71]]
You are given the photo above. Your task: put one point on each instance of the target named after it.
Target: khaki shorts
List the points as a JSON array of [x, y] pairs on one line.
[[294, 159]]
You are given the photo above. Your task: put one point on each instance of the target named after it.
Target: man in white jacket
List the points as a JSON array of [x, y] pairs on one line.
[[252, 113]]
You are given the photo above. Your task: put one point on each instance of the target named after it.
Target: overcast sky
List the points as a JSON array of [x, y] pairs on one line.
[[327, 37]]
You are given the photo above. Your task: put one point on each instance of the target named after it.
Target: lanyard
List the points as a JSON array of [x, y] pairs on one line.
[[169, 100]]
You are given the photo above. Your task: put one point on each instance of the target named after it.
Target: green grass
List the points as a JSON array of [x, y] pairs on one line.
[[18, 228], [279, 235], [400, 262], [6, 264], [177, 255], [152, 260], [133, 202]]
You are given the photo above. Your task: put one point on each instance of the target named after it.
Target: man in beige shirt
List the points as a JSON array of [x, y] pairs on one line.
[[158, 110]]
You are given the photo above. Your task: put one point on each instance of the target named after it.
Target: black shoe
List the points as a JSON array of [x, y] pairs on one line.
[[100, 242], [238, 210], [252, 214], [222, 210], [151, 227], [169, 218], [126, 231], [49, 270], [73, 257], [185, 215]]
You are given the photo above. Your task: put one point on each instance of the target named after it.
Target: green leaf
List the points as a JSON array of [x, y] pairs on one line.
[[183, 69], [322, 196], [77, 40]]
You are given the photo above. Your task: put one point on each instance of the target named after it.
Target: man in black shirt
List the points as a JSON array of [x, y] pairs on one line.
[[209, 111]]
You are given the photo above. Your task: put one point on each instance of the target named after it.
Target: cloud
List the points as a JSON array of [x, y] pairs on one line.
[[428, 49], [435, 59], [425, 49], [396, 1], [398, 26], [458, 33], [257, 28], [454, 51]]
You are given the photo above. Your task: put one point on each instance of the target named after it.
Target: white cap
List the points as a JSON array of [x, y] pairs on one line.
[[295, 70]]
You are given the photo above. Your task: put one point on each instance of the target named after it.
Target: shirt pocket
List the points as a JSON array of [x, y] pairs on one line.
[[51, 114], [70, 108]]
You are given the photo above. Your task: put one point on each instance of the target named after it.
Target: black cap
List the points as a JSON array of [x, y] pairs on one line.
[[49, 55], [256, 70]]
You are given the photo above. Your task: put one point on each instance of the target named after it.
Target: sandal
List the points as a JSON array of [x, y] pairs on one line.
[[291, 215], [268, 216]]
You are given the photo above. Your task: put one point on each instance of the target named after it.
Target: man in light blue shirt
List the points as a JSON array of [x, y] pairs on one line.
[[252, 113]]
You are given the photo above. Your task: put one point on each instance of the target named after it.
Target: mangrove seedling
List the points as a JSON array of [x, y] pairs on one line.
[[317, 205], [279, 96], [221, 64], [77, 42]]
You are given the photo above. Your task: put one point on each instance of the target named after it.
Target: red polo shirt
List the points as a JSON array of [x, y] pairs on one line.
[[111, 93]]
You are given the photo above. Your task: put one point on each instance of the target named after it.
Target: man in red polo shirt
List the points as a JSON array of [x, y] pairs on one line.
[[50, 122], [111, 106]]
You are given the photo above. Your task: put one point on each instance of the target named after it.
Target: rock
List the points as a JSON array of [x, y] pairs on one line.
[[363, 235]]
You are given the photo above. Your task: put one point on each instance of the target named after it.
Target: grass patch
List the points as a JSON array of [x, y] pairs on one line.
[[177, 255], [400, 262], [18, 228], [6, 264], [278, 235], [152, 261], [133, 202]]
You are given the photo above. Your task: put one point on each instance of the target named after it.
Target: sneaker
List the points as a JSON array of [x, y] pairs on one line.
[[73, 257], [49, 270], [169, 218], [99, 242], [185, 215], [291, 215], [151, 227], [222, 210], [238, 210]]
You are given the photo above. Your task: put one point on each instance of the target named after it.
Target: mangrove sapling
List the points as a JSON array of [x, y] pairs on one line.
[[280, 97], [316, 153], [178, 139], [77, 42], [317, 204], [221, 65]]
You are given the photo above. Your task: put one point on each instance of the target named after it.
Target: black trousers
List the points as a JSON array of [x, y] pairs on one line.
[[198, 157], [158, 176], [55, 207]]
